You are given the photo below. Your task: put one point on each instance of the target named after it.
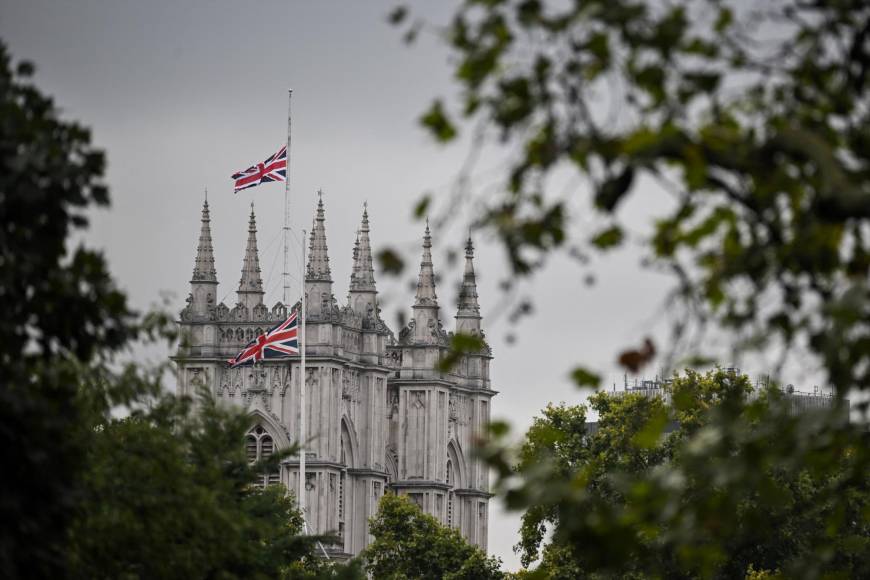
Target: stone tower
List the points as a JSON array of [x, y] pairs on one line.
[[381, 417]]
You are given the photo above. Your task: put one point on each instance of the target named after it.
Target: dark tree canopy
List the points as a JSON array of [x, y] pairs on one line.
[[754, 118], [162, 493], [61, 310], [169, 495], [409, 544], [668, 493]]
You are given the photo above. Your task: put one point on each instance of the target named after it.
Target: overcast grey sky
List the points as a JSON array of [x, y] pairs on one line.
[[183, 94]]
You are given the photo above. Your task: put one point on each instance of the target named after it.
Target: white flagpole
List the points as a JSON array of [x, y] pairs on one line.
[[287, 205], [302, 409]]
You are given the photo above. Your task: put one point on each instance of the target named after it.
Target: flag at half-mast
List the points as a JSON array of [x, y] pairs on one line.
[[272, 169], [278, 342]]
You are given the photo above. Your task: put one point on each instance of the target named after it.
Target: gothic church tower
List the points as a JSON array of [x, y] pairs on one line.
[[381, 417]]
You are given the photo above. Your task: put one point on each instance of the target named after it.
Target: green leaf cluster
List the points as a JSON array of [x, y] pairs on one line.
[[409, 544], [168, 493], [760, 137], [711, 479], [162, 493]]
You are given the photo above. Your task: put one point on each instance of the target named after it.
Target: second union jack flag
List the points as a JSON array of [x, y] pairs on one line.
[[278, 342], [272, 169]]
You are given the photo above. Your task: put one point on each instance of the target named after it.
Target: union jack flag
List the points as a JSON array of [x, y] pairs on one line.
[[278, 342], [272, 169]]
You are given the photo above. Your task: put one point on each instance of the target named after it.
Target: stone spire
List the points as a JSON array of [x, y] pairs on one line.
[[362, 297], [251, 284], [203, 283], [363, 279], [318, 256], [203, 268], [426, 282], [319, 301], [468, 313], [426, 327]]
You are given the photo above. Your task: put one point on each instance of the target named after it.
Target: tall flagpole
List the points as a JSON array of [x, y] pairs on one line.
[[302, 409], [287, 205]]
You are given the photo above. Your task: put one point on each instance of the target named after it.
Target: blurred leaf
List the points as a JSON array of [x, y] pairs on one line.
[[609, 238], [649, 436], [436, 121], [398, 15], [390, 262], [460, 345], [634, 360], [585, 378], [611, 192], [422, 206]]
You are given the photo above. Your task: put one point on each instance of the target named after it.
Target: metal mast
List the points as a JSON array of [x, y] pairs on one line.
[[286, 274], [302, 409]]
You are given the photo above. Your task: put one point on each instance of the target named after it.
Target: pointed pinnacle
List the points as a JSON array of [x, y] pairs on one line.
[[203, 268], [468, 305], [251, 280], [427, 236], [426, 283], [318, 256], [363, 277]]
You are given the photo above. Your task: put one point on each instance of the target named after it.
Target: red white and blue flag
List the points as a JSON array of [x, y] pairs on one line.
[[272, 169], [278, 342]]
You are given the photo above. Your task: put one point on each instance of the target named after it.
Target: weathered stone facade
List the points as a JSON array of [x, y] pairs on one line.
[[380, 416]]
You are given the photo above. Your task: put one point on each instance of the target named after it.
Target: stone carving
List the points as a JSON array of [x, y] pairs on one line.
[[187, 312], [260, 312], [239, 313], [279, 311], [340, 381], [225, 382], [350, 388], [222, 312], [407, 333]]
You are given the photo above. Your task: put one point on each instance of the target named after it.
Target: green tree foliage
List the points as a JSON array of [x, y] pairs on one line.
[[61, 311], [754, 118], [413, 545], [163, 493], [168, 494], [664, 490]]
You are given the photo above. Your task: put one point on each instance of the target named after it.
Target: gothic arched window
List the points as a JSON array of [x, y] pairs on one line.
[[259, 445]]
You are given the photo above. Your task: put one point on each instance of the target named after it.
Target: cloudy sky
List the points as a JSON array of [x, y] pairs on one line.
[[182, 94]]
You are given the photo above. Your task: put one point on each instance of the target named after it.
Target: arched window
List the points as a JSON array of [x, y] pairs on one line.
[[259, 445]]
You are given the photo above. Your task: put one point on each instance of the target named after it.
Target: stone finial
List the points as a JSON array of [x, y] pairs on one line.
[[468, 313], [425, 295], [363, 277], [468, 292], [203, 268], [318, 255], [251, 284]]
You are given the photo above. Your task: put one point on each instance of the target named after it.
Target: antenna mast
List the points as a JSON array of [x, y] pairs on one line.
[[286, 273]]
